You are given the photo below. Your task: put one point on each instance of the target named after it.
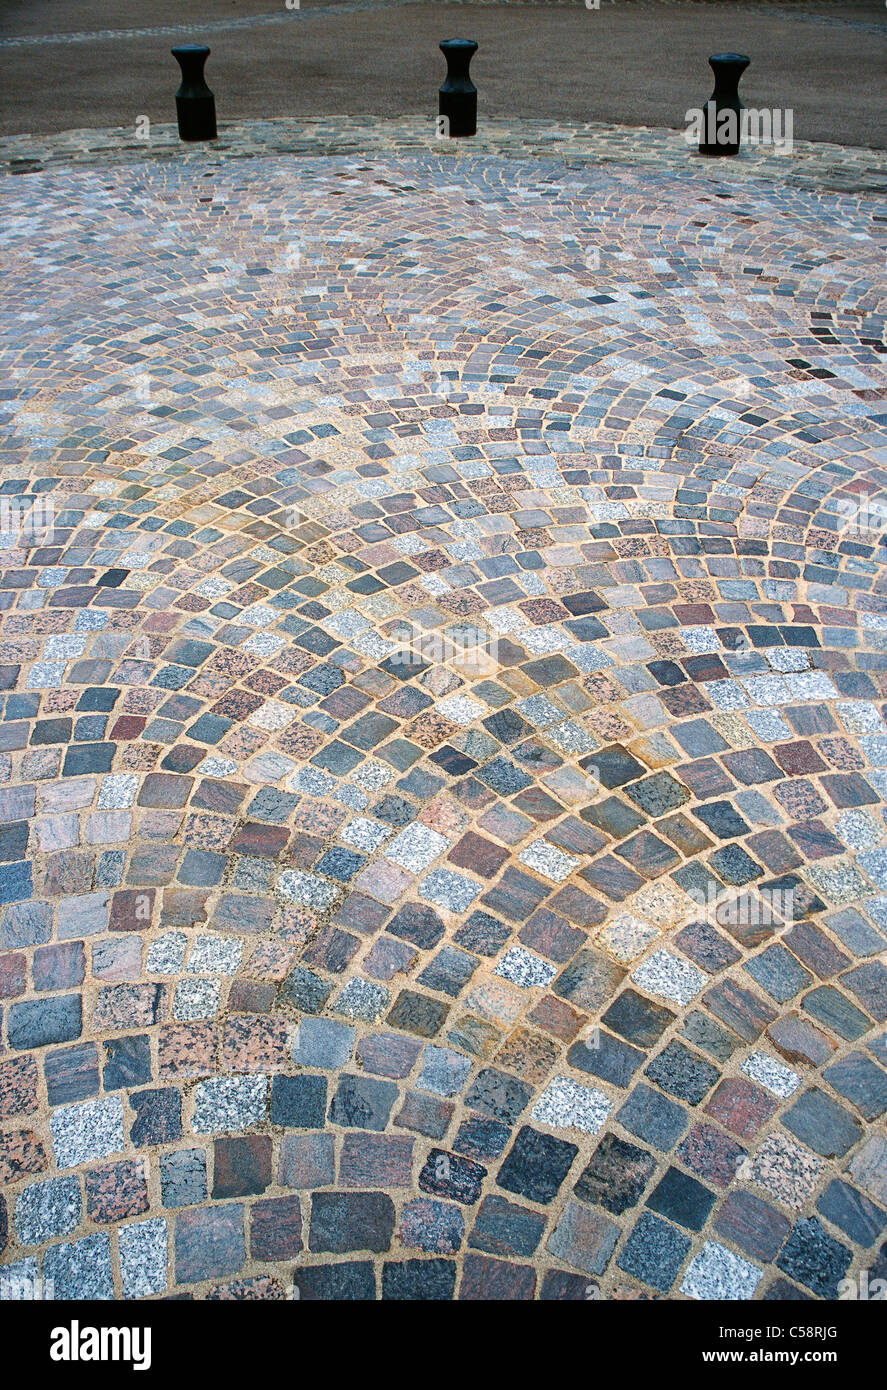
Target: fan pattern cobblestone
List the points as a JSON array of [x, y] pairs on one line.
[[444, 660]]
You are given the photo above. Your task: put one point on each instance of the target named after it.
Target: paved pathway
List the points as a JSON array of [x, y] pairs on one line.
[[807, 164], [444, 644]]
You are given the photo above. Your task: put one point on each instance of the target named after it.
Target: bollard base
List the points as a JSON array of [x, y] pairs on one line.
[[460, 113], [719, 151], [196, 118]]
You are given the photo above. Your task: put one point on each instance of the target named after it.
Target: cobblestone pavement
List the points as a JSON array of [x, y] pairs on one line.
[[810, 164], [444, 645]]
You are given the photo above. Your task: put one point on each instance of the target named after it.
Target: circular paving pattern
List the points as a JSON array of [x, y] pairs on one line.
[[444, 640]]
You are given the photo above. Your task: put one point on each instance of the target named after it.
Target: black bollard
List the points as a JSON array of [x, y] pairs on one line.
[[727, 68], [195, 103], [458, 95]]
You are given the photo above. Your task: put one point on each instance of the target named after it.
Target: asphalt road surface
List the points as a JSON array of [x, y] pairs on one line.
[[637, 62]]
